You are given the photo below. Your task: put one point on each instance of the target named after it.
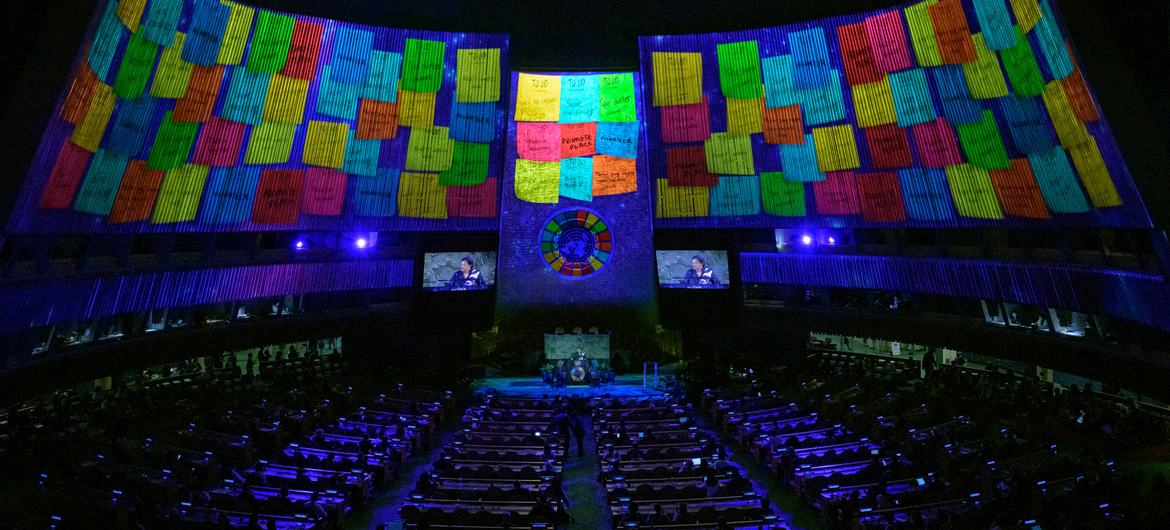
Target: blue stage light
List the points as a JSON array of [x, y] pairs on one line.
[[806, 239], [361, 242]]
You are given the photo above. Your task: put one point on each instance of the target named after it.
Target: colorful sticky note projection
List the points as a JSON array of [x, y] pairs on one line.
[[682, 201], [1022, 69], [286, 100], [1018, 192], [137, 64], [205, 32], [202, 91], [538, 182], [874, 104], [80, 94], [958, 106], [578, 139], [361, 156], [856, 55], [245, 97], [350, 63], [539, 141], [687, 166], [810, 57], [618, 139], [375, 196], [881, 197], [477, 75], [736, 196], [268, 49], [936, 144], [1077, 93], [580, 99], [800, 161], [100, 186], [1028, 124], [382, 80], [130, 12], [173, 75], [922, 34], [825, 104], [235, 37], [995, 23], [836, 148], [614, 175], [779, 81], [230, 194], [739, 69], [334, 98], [926, 194], [178, 198], [1057, 180], [219, 143], [65, 176], [1095, 174], [729, 154], [136, 194], [678, 78], [538, 97], [617, 97], [324, 191], [836, 195], [1027, 13], [473, 201], [377, 120], [952, 32], [270, 143], [422, 65], [973, 193], [105, 42], [421, 196], [473, 122], [1051, 43], [278, 197], [429, 149], [325, 144], [577, 178], [984, 77], [303, 51], [162, 18], [88, 134], [686, 123], [130, 126], [1068, 127], [912, 99], [887, 40], [469, 165], [782, 125], [888, 146], [172, 143], [744, 116], [982, 143]]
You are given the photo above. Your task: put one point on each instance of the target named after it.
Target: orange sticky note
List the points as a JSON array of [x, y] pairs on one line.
[[613, 175]]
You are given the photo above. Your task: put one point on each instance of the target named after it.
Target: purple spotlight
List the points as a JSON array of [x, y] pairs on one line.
[[806, 239], [300, 244], [361, 242]]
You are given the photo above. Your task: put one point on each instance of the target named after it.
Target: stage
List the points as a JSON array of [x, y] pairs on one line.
[[629, 385]]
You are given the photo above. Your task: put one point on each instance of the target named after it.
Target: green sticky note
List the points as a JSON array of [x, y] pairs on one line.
[[172, 143], [422, 65], [739, 70], [781, 197], [270, 42], [1022, 68], [983, 144], [469, 165], [137, 62], [617, 97]]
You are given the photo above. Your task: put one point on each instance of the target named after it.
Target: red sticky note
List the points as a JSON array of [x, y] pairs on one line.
[[303, 50], [80, 94], [888, 146], [837, 194], [219, 143], [1018, 192], [578, 139], [377, 120], [1079, 98], [136, 194], [67, 172], [278, 198], [951, 32], [687, 166], [472, 201], [887, 39], [613, 175], [881, 197], [686, 123], [860, 68], [324, 191], [783, 125], [538, 141], [202, 89], [936, 143]]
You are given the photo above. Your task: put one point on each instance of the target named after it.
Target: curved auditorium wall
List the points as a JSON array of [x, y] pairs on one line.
[[939, 113], [209, 115]]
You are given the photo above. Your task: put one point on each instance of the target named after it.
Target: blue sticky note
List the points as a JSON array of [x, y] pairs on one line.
[[926, 194], [912, 101], [736, 196], [229, 194], [374, 196], [1028, 122], [1051, 43], [361, 156], [337, 99], [580, 99], [351, 53], [100, 187], [473, 122], [1058, 181], [247, 91], [618, 139], [106, 41], [800, 161], [208, 23], [995, 23], [824, 104], [382, 80], [130, 126], [577, 178], [958, 106], [779, 81], [810, 55], [161, 21]]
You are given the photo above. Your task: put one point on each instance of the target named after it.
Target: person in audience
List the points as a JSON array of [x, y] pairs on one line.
[[659, 518], [542, 510], [562, 425], [631, 516], [683, 517], [578, 428]]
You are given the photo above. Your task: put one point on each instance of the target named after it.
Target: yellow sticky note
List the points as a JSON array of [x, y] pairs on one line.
[[286, 100], [1095, 174], [429, 149], [973, 192], [416, 109], [729, 154], [178, 198], [922, 34], [538, 97], [874, 103], [88, 134], [1027, 13], [235, 37], [682, 201], [745, 116], [130, 11], [477, 75], [173, 73], [538, 182], [984, 76], [421, 196], [270, 143], [678, 78], [836, 148], [325, 144], [1069, 128]]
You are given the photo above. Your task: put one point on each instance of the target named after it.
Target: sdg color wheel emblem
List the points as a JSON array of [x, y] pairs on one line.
[[576, 242]]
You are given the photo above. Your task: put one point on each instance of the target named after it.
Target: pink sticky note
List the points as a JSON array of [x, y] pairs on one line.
[[887, 39], [66, 175], [324, 191], [219, 143], [936, 144], [538, 141], [686, 123]]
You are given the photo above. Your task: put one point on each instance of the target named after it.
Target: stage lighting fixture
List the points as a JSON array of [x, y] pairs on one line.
[[361, 242], [806, 239], [832, 240], [299, 244]]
